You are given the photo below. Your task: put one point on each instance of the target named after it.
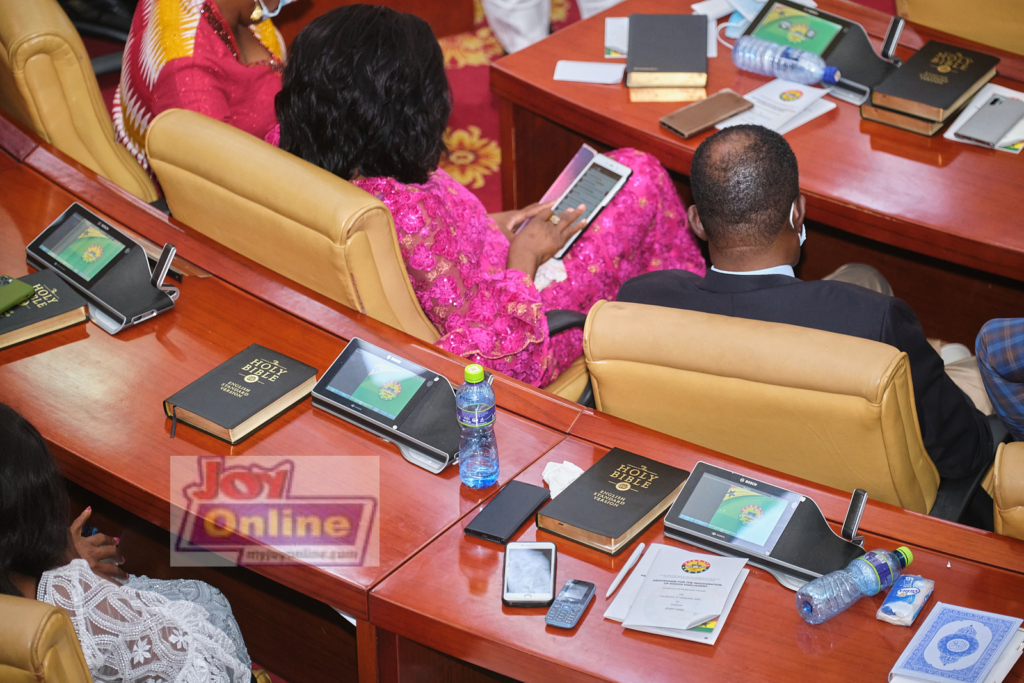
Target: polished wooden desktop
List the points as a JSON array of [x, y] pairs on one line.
[[935, 216], [764, 639], [96, 399]]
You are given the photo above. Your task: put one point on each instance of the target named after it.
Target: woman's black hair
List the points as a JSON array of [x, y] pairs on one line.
[[365, 92], [33, 503]]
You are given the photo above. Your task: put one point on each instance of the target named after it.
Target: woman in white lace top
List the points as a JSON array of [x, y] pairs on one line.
[[137, 630]]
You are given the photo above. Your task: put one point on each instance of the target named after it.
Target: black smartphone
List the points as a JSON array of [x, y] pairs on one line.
[[507, 511]]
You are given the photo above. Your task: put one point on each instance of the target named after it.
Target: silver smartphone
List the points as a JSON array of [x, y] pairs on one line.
[[993, 121], [594, 188], [529, 576]]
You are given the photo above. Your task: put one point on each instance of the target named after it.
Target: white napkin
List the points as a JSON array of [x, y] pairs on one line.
[[559, 475]]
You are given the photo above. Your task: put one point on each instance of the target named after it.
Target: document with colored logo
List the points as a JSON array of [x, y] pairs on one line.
[[775, 104], [683, 590]]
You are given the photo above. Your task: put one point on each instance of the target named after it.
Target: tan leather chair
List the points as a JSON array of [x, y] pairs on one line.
[[830, 408], [294, 218], [38, 644], [1008, 490], [999, 23], [47, 84]]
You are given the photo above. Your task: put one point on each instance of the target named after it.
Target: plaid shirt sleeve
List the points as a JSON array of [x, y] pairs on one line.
[[1000, 351]]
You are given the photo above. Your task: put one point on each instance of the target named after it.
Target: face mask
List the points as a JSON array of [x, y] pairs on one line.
[[267, 14], [803, 228]]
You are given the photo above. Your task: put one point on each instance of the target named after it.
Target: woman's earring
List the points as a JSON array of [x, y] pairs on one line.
[[257, 14]]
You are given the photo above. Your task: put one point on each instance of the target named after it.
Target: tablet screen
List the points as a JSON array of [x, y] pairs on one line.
[[376, 383], [82, 247], [744, 515], [792, 27], [590, 190]]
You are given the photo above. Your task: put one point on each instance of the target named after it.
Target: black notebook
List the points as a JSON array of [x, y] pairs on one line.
[[614, 501], [667, 51], [936, 81], [54, 306], [242, 394]]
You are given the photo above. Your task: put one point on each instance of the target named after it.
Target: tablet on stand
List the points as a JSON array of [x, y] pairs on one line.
[[780, 531], [106, 266], [397, 400]]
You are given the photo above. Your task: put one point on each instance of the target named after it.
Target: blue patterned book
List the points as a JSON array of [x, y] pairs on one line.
[[957, 644]]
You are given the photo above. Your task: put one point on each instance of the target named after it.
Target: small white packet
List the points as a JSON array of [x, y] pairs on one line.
[[905, 600], [558, 475]]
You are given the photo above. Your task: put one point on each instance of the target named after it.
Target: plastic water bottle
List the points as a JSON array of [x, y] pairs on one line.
[[770, 59], [827, 596], [478, 449]]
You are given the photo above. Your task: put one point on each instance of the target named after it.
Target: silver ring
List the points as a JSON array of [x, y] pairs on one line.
[[554, 219]]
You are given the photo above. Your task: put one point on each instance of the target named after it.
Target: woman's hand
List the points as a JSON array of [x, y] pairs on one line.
[[541, 239], [99, 550], [509, 221]]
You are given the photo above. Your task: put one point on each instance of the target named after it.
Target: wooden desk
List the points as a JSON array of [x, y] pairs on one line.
[[97, 399], [764, 638], [103, 372], [913, 206]]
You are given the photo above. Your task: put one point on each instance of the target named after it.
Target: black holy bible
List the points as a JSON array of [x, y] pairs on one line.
[[614, 501], [54, 306], [936, 81], [667, 51], [242, 394]]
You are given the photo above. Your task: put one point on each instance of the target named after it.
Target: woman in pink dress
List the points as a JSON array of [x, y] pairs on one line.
[[222, 58], [365, 96]]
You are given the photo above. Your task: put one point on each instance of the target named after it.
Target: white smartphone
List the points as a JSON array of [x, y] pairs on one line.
[[529, 576], [594, 188]]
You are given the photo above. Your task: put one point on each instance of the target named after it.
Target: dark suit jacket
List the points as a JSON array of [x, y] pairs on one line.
[[956, 434]]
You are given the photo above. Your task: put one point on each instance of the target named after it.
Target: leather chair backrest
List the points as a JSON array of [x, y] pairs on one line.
[[999, 23], [1008, 490], [830, 408], [48, 85], [38, 644], [286, 214]]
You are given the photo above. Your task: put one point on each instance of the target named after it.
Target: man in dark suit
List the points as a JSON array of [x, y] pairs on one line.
[[748, 207]]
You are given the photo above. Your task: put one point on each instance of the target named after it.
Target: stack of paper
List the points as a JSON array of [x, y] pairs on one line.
[[961, 645], [678, 593], [782, 106], [1012, 141]]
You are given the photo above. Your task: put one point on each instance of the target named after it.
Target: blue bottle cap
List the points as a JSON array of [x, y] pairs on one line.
[[831, 76]]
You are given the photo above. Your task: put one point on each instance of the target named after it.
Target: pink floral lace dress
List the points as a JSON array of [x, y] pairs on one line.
[[492, 315]]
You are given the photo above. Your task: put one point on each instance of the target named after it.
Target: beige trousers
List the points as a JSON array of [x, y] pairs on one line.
[[964, 373]]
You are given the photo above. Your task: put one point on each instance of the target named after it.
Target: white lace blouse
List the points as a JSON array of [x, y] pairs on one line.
[[149, 631]]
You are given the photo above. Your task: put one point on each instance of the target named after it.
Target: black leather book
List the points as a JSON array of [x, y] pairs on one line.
[[242, 394], [667, 51], [936, 81], [614, 501], [55, 306]]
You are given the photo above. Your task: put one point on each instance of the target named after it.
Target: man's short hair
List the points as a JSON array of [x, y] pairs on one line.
[[744, 180]]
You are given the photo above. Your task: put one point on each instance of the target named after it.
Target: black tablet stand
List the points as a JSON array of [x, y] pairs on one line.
[[859, 67], [807, 549]]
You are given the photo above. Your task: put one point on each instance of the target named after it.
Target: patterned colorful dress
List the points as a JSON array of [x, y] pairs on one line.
[[456, 256], [181, 54]]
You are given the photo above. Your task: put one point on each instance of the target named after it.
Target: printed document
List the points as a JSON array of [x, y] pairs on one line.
[[775, 104], [682, 590]]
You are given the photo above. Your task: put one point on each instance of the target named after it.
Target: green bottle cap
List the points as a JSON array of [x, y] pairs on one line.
[[907, 555], [475, 375]]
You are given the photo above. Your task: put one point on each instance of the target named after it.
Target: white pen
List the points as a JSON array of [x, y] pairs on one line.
[[625, 570]]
